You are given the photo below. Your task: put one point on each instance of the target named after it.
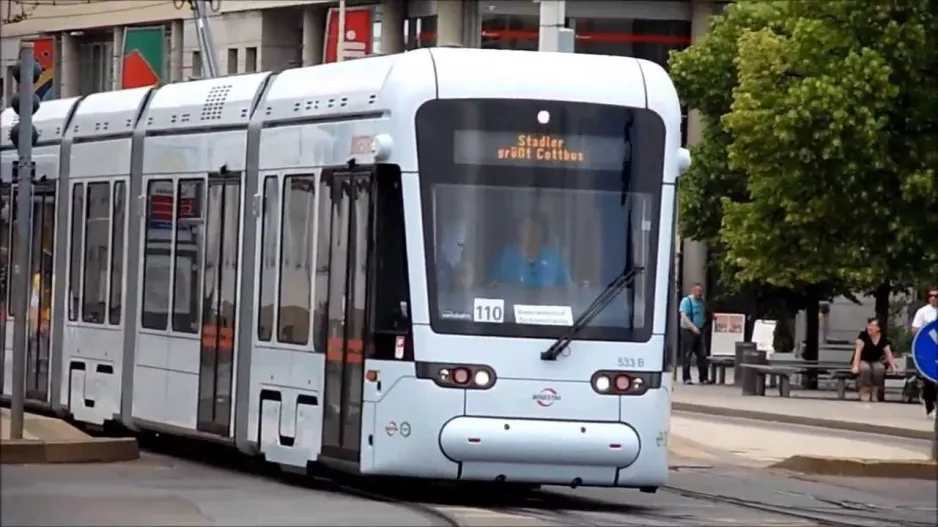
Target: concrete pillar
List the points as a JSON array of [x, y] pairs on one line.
[[70, 60], [552, 19], [117, 59], [449, 22], [314, 34], [695, 252], [392, 26], [176, 51]]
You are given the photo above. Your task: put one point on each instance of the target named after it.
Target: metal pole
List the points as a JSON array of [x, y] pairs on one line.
[[21, 279], [934, 442], [203, 32], [340, 38], [552, 21], [208, 38]]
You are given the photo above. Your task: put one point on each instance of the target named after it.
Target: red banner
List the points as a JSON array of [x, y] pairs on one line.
[[358, 34]]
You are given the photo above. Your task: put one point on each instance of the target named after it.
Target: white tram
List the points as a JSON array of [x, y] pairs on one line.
[[447, 263]]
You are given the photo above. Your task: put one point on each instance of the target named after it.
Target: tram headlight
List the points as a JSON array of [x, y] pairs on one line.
[[482, 378], [623, 383], [601, 383]]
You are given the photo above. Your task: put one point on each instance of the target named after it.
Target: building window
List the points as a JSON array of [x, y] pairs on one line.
[[196, 64], [420, 32], [96, 66], [517, 32], [645, 39], [250, 60], [232, 61], [651, 40]]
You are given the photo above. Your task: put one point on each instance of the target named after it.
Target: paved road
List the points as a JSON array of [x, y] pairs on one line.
[[158, 490], [862, 502]]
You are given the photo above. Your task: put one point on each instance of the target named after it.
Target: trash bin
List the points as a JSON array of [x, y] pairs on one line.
[[737, 371], [748, 354]]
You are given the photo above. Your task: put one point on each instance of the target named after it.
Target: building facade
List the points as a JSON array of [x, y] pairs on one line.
[[88, 46]]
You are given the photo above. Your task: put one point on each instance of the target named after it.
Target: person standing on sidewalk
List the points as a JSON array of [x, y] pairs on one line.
[[692, 325], [925, 315]]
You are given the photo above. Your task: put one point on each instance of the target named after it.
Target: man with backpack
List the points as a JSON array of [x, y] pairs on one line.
[[693, 320]]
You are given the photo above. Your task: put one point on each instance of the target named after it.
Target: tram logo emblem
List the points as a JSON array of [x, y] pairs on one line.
[[546, 398]]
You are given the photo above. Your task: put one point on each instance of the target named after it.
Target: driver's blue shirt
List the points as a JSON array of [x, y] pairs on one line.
[[513, 268]]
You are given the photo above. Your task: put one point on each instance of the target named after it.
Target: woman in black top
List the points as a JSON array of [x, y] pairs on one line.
[[870, 358]]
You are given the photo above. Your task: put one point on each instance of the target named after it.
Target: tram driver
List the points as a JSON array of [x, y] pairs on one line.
[[530, 262]]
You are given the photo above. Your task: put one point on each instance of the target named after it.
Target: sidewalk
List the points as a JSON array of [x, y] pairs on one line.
[[804, 407], [50, 440]]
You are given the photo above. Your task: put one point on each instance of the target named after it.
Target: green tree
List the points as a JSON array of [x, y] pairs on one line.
[[706, 75], [832, 121]]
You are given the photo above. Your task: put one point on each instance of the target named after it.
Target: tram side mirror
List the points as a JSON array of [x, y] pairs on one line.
[[683, 161]]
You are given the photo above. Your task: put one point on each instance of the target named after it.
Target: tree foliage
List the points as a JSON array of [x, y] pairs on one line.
[[817, 170]]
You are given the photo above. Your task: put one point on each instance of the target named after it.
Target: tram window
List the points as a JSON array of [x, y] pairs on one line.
[[323, 242], [117, 254], [156, 255], [296, 266], [187, 271], [392, 299], [78, 230], [97, 240], [265, 297]]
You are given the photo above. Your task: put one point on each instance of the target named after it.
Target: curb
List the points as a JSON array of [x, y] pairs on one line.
[[92, 450], [832, 424], [859, 468]]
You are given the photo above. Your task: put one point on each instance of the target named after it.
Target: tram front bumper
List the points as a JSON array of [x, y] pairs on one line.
[[540, 442]]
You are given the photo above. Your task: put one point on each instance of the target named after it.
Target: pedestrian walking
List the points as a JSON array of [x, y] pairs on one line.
[[693, 318], [925, 315]]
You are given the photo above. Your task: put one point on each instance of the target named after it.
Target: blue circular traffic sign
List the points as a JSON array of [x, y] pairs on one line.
[[925, 351]]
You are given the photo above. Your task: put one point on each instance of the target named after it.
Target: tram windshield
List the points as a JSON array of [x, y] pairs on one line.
[[531, 208]]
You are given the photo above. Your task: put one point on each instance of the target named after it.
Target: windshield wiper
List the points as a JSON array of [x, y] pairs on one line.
[[620, 282]]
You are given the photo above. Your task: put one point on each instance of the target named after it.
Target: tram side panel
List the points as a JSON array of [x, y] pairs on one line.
[[99, 140], [294, 411], [93, 345], [654, 421], [189, 233]]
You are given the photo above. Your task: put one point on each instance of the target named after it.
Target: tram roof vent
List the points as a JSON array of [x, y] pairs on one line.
[[215, 102]]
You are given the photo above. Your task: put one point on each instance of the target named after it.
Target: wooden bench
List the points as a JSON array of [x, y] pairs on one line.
[[780, 374], [718, 366]]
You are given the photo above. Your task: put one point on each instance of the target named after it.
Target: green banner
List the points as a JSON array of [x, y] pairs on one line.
[[144, 54]]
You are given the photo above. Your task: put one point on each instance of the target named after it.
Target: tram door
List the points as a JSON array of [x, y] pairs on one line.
[[6, 272], [40, 282], [219, 303], [345, 332]]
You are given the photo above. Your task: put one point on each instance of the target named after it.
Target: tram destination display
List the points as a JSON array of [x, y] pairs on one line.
[[577, 152]]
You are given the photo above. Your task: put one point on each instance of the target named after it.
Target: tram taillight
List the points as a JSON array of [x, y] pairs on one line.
[[624, 383], [460, 375], [463, 376]]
